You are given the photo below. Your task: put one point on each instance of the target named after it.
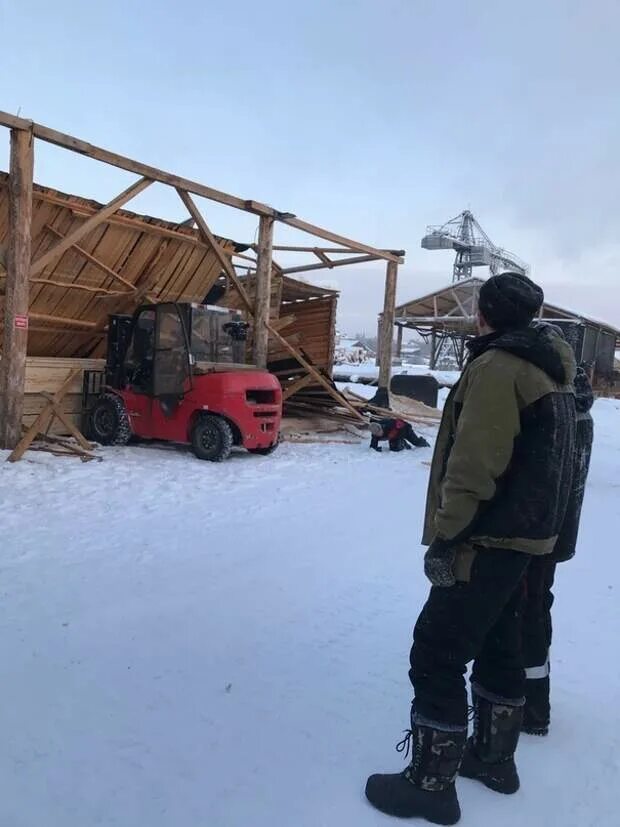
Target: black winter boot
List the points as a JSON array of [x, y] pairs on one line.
[[489, 755], [426, 788], [537, 710]]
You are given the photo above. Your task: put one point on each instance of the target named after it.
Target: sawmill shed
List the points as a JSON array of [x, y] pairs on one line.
[[67, 263], [448, 316]]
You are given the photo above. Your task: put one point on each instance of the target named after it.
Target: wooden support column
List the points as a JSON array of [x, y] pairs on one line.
[[263, 290], [387, 325], [433, 357], [399, 340], [15, 338]]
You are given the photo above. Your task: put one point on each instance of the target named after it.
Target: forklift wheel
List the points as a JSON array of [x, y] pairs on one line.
[[108, 422], [212, 438]]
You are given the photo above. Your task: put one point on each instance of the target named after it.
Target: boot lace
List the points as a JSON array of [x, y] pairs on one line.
[[405, 744]]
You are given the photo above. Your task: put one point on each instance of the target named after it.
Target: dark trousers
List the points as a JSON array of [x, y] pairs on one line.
[[537, 632], [479, 620]]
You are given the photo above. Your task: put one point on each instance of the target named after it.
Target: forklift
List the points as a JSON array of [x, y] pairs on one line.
[[176, 373]]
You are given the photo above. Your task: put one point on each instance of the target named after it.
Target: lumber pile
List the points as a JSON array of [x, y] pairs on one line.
[[45, 375], [314, 402]]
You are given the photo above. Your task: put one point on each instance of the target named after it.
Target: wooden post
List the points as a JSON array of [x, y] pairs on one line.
[[399, 340], [15, 339], [387, 325], [263, 290], [433, 357]]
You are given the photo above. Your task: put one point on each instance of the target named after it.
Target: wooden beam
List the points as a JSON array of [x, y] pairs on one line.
[[63, 321], [343, 262], [93, 260], [203, 229], [69, 240], [297, 385], [69, 285], [459, 302], [293, 248], [134, 223], [399, 340], [387, 325], [61, 139], [52, 136], [322, 257], [334, 392], [15, 337], [319, 232], [43, 419], [262, 297]]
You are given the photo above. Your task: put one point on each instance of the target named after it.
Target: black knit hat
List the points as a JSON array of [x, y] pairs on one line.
[[509, 301]]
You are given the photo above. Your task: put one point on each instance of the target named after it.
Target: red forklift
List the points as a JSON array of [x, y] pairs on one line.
[[177, 373]]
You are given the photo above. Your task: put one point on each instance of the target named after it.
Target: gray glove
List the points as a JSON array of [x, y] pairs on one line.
[[438, 562]]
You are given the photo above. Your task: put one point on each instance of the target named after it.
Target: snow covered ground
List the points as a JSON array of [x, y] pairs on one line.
[[191, 645]]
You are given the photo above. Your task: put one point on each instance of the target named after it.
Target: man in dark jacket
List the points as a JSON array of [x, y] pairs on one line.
[[399, 434], [537, 627], [499, 483]]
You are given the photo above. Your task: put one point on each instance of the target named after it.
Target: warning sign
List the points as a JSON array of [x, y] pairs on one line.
[[21, 322]]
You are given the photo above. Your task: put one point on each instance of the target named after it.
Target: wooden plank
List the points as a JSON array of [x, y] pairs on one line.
[[63, 321], [315, 373], [343, 262], [16, 300], [319, 232], [283, 321], [263, 291], [69, 285], [42, 420], [399, 340], [93, 260], [89, 225], [59, 413], [387, 325], [297, 385]]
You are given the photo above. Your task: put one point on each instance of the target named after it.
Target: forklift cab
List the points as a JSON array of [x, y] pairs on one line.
[[156, 351]]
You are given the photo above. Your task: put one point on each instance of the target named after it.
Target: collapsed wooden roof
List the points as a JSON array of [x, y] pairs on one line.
[[126, 259]]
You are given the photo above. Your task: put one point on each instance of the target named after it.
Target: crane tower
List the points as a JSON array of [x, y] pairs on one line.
[[473, 247]]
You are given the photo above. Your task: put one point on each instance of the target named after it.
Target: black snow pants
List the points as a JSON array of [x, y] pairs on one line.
[[478, 620], [537, 631]]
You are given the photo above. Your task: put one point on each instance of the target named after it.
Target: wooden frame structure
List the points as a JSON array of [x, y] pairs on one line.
[[28, 270], [448, 315]]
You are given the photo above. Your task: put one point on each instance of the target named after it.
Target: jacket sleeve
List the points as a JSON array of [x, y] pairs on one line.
[[486, 430]]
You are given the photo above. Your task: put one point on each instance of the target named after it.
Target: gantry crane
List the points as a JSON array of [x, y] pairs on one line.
[[473, 247]]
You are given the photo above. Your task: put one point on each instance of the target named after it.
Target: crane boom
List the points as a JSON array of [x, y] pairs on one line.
[[472, 245]]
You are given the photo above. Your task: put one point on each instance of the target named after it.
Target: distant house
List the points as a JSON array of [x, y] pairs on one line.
[[351, 351], [410, 352]]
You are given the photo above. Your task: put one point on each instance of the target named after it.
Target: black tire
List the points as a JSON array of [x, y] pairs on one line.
[[212, 438], [108, 422], [264, 452]]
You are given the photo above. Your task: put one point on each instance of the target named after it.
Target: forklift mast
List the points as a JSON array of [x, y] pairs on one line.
[[119, 332]]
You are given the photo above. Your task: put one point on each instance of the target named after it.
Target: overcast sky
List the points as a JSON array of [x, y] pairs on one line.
[[373, 118]]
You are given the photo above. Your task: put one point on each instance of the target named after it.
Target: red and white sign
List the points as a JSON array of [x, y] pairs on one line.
[[21, 322]]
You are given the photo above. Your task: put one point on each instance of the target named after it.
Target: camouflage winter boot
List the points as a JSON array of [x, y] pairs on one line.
[[425, 789], [489, 755]]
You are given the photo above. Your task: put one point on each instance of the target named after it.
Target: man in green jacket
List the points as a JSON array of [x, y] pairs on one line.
[[500, 479]]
